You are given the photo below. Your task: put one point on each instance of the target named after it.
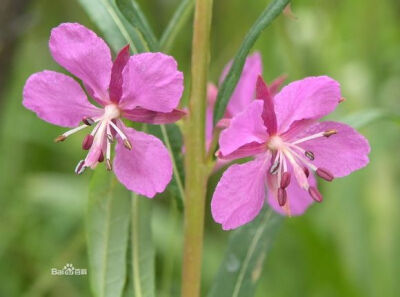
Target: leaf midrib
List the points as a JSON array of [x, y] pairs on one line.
[[107, 234], [249, 254]]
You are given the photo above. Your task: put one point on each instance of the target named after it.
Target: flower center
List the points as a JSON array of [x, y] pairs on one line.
[[275, 143], [301, 161], [111, 112], [99, 141]]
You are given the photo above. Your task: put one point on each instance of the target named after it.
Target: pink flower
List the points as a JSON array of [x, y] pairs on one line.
[[243, 94], [143, 88], [287, 142]]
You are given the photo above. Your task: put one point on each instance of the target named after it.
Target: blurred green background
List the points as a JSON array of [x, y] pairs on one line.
[[347, 246]]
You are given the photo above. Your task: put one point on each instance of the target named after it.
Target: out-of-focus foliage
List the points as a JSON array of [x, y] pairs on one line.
[[346, 246]]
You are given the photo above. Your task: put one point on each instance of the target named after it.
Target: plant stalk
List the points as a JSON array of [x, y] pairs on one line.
[[195, 162]]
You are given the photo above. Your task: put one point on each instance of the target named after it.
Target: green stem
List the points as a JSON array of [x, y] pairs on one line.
[[195, 162]]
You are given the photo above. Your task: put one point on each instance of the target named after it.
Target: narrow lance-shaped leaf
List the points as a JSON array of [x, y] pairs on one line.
[[134, 15], [244, 259], [172, 137], [117, 31], [141, 253], [107, 234], [366, 117], [229, 83], [179, 19]]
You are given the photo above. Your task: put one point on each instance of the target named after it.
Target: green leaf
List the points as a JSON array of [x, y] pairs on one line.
[[107, 234], [172, 137], [240, 270], [116, 29], [363, 118], [134, 15], [229, 83], [177, 22], [141, 253]]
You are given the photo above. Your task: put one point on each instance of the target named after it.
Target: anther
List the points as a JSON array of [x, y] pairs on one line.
[[108, 165], [282, 197], [80, 168], [60, 138], [330, 132], [285, 180], [88, 121], [101, 157], [315, 194], [275, 166], [127, 144], [110, 138], [325, 174], [306, 171], [342, 100], [309, 155], [87, 142]]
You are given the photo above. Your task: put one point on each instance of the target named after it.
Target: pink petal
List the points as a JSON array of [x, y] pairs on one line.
[[298, 199], [275, 85], [212, 93], [116, 74], [147, 168], [153, 117], [85, 55], [309, 98], [224, 123], [57, 99], [341, 153], [246, 127], [245, 89], [151, 81], [268, 114], [247, 150], [240, 194]]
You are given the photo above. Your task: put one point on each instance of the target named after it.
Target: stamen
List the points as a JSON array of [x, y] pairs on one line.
[[125, 139], [88, 121], [110, 137], [297, 168], [80, 168], [325, 174], [87, 142], [309, 155], [282, 197], [118, 130], [315, 194], [285, 181], [101, 157], [306, 171], [60, 138], [96, 128], [342, 100], [329, 133], [303, 160], [72, 131], [275, 166], [127, 144], [108, 152], [108, 165], [317, 135]]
